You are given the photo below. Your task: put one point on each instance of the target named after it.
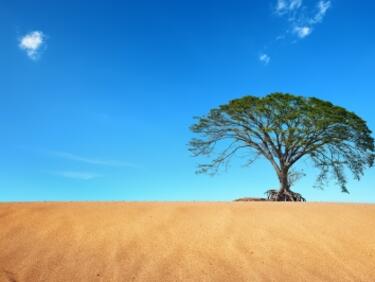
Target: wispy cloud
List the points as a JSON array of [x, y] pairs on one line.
[[265, 59], [323, 7], [93, 161], [301, 18], [302, 31], [286, 6], [32, 44], [81, 175]]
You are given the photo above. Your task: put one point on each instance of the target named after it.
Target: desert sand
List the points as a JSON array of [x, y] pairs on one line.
[[242, 241]]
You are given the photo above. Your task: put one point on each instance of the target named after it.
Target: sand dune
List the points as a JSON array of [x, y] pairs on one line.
[[187, 242]]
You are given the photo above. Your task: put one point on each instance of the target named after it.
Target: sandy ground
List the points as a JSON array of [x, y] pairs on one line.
[[187, 242]]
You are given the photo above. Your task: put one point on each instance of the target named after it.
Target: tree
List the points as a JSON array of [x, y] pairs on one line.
[[284, 129]]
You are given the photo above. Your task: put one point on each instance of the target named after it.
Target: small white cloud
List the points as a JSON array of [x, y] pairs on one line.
[[265, 59], [81, 175], [31, 43], [302, 31], [295, 4], [280, 6], [285, 6], [323, 7]]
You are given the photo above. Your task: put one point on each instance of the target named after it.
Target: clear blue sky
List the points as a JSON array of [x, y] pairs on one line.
[[96, 97]]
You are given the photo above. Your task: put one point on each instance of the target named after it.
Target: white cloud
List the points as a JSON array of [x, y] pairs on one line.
[[302, 18], [32, 43], [303, 31], [280, 6], [265, 59], [284, 6], [295, 4], [93, 161], [323, 7], [81, 175]]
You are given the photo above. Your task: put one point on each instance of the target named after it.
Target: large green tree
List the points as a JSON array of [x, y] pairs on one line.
[[284, 129]]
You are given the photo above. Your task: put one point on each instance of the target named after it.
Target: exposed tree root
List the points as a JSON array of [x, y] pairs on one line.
[[284, 195], [249, 199]]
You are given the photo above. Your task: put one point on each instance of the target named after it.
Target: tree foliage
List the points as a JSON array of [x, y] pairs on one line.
[[285, 128]]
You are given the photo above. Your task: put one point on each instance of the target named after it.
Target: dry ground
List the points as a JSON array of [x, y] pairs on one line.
[[250, 241]]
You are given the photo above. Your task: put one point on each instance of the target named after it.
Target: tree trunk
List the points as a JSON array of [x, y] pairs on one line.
[[284, 183], [284, 193]]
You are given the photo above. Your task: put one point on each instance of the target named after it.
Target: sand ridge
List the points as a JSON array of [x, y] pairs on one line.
[[185, 241]]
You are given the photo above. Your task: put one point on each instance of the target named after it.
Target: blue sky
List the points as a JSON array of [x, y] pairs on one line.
[[96, 97]]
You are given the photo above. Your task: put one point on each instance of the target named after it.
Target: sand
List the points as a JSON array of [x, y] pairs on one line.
[[242, 241]]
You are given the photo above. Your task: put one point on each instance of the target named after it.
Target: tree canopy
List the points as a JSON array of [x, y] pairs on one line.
[[284, 128]]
